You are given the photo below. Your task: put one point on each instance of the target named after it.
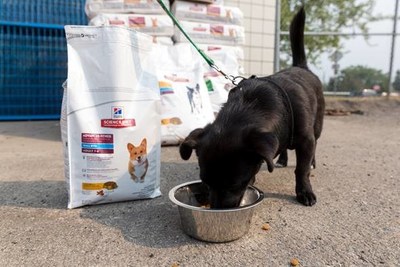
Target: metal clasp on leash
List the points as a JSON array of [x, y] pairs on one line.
[[231, 78]]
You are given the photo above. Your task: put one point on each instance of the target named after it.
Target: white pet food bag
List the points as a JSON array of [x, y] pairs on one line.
[[110, 116], [185, 104]]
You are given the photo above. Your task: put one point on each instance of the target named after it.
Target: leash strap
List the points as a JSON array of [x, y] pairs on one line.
[[209, 61]]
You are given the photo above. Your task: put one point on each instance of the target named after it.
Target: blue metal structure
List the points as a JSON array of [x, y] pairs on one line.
[[33, 56]]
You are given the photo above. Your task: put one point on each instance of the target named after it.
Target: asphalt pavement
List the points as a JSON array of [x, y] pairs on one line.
[[356, 221]]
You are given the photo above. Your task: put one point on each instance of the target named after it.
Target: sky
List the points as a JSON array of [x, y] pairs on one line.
[[375, 53]]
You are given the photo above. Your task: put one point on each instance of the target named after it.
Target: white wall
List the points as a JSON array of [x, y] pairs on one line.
[[259, 26]]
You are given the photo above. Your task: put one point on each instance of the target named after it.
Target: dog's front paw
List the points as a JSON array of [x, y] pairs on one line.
[[306, 198]]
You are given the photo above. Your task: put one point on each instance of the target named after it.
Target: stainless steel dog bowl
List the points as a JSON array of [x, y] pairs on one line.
[[213, 225]]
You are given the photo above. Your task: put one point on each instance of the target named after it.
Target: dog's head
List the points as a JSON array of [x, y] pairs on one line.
[[229, 161], [138, 154]]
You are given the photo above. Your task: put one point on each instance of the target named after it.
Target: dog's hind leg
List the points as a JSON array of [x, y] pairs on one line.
[[304, 156], [313, 162], [282, 160]]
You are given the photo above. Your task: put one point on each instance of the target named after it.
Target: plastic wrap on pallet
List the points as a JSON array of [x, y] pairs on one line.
[[205, 33], [229, 59], [95, 7], [155, 25], [207, 13]]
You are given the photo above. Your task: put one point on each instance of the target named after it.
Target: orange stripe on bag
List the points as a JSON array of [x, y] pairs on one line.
[[92, 186]]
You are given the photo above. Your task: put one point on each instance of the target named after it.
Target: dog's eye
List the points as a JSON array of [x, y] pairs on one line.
[[141, 151]]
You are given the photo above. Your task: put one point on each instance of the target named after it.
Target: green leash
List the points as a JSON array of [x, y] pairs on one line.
[[209, 61]]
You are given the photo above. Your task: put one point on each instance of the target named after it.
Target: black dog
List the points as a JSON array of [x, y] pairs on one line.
[[262, 118]]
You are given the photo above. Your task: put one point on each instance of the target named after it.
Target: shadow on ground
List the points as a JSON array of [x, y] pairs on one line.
[[34, 194], [151, 223], [42, 130]]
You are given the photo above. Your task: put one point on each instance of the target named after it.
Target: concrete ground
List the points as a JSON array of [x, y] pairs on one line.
[[356, 221]]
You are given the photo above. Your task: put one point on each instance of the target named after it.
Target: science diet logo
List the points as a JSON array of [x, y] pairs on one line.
[[117, 112], [117, 119]]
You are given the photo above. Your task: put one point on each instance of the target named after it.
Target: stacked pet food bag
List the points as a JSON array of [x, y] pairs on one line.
[[191, 92], [142, 15], [218, 31]]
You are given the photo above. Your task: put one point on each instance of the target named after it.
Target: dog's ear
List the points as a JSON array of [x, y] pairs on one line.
[[266, 145], [130, 147], [190, 143], [144, 142]]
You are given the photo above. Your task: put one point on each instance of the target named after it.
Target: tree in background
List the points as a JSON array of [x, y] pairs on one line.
[[324, 16], [357, 78], [396, 83]]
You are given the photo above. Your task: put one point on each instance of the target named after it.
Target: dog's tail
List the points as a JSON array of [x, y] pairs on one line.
[[297, 39]]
